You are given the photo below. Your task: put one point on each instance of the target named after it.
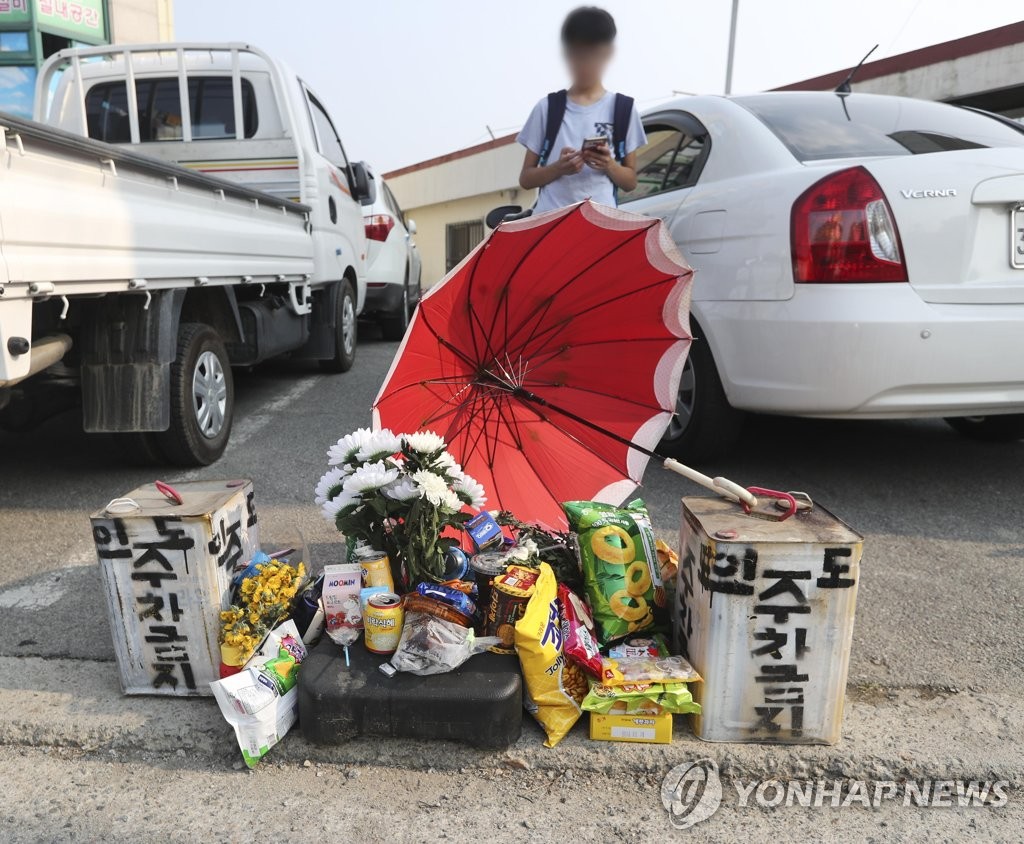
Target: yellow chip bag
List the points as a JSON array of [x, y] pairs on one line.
[[555, 687]]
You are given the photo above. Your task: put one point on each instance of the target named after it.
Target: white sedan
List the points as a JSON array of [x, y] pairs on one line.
[[857, 256]]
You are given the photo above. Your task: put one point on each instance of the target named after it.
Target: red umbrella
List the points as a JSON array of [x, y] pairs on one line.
[[550, 358]]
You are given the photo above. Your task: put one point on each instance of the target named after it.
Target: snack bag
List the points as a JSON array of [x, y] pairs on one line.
[[620, 567], [645, 659], [555, 687], [640, 699], [578, 636]]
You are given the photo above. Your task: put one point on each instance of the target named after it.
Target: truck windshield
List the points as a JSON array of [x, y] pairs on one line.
[[816, 126], [211, 107]]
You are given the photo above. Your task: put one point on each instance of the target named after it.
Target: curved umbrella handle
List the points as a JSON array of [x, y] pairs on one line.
[[721, 486]]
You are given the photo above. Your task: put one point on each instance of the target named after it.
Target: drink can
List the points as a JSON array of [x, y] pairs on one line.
[[383, 623], [376, 568]]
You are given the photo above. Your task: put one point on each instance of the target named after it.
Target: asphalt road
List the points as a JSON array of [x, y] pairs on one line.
[[942, 593], [939, 623]]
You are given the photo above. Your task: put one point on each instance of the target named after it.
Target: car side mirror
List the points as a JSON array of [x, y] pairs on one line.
[[364, 185], [411, 226], [496, 215]]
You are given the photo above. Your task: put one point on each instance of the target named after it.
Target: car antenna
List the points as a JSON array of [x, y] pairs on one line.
[[844, 86]]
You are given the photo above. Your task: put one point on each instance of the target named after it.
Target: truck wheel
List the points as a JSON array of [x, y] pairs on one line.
[[344, 331], [705, 424], [992, 429], [393, 327], [202, 399]]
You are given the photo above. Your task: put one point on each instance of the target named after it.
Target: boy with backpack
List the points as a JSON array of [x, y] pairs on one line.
[[581, 143]]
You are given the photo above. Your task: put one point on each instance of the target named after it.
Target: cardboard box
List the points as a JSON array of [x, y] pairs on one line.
[[649, 729], [166, 569]]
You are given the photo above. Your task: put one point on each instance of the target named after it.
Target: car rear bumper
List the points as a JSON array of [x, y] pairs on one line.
[[383, 298], [867, 351]]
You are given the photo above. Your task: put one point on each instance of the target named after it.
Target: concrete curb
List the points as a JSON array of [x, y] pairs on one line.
[[889, 734]]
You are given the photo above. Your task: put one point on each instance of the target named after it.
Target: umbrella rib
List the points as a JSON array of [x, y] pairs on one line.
[[522, 260], [457, 352], [535, 335], [540, 360], [546, 305], [594, 392]]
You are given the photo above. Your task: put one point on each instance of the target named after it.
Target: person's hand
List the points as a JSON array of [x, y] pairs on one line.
[[599, 157], [569, 163]]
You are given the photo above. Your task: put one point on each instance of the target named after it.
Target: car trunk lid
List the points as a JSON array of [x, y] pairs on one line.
[[960, 222]]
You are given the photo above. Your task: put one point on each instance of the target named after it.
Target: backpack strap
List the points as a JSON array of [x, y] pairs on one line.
[[620, 125], [556, 113]]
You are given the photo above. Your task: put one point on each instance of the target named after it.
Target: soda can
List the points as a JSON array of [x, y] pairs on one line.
[[376, 568], [383, 623]]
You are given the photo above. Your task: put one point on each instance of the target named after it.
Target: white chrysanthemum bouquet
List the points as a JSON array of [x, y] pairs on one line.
[[399, 493]]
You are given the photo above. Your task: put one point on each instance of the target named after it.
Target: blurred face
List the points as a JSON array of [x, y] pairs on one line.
[[587, 62]]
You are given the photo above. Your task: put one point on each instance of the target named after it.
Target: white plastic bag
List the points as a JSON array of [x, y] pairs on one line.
[[431, 645]]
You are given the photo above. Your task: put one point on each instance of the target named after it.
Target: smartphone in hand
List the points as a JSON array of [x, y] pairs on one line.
[[594, 142]]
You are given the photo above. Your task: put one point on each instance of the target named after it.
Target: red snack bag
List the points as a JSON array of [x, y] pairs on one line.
[[578, 640]]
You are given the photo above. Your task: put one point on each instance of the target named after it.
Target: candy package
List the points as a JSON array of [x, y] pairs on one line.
[[555, 686], [620, 567], [578, 636], [640, 699], [645, 660]]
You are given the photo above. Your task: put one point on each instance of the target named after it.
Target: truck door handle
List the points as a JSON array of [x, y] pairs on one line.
[[332, 209]]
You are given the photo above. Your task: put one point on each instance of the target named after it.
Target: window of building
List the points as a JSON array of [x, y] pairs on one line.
[[17, 89], [460, 239], [14, 42], [211, 107]]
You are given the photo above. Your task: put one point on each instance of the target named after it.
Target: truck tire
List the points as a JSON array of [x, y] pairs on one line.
[[202, 399], [393, 326], [344, 331], [705, 424], [992, 429]]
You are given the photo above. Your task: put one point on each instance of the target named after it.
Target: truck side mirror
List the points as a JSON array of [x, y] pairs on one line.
[[364, 186], [411, 225]]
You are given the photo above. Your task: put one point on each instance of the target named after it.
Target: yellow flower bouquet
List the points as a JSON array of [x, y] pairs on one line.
[[264, 600]]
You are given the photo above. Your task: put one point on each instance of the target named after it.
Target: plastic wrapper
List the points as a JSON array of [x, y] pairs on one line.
[[555, 686], [448, 595], [640, 699], [432, 645], [579, 639], [645, 660], [620, 565], [261, 702]]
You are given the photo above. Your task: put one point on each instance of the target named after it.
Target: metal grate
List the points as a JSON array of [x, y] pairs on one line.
[[460, 239]]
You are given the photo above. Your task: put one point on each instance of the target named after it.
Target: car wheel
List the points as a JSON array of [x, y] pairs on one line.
[[202, 399], [394, 327], [345, 334], [705, 424], [993, 429]]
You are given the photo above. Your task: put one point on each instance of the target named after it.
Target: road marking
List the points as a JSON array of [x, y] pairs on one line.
[[35, 596], [246, 428]]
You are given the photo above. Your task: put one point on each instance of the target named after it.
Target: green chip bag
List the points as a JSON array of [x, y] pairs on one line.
[[640, 699], [620, 567]]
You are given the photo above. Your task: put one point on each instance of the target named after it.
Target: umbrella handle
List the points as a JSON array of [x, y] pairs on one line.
[[721, 486]]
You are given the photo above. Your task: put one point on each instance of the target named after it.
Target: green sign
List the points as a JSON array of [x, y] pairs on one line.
[[82, 19], [13, 12]]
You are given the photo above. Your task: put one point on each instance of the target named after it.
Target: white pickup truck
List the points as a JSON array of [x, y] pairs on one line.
[[173, 210]]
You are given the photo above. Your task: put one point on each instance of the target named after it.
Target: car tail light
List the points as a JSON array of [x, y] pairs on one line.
[[379, 226], [843, 231]]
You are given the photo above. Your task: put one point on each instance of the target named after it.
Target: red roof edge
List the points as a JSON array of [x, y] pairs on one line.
[[453, 156], [992, 39]]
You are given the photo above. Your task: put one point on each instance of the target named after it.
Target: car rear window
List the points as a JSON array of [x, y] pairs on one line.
[[816, 126]]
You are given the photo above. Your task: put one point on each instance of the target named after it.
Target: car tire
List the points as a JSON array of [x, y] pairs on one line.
[[992, 429], [394, 327], [705, 424], [202, 399], [345, 331]]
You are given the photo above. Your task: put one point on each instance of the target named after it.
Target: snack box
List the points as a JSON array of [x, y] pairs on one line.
[[649, 729]]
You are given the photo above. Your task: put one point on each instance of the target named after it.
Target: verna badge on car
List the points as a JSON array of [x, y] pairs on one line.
[[928, 194]]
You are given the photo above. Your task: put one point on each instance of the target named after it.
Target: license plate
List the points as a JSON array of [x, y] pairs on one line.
[[1017, 238]]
